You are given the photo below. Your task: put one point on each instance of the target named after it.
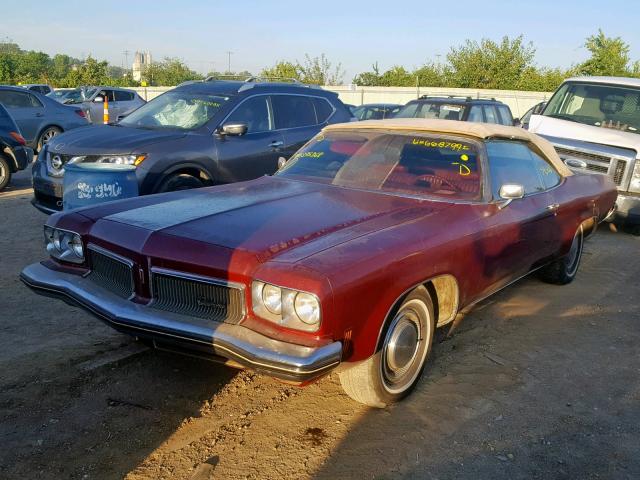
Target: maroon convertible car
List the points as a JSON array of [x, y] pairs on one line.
[[371, 236]]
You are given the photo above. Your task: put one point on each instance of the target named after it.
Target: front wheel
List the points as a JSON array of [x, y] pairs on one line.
[[178, 182], [5, 172], [395, 369], [564, 270]]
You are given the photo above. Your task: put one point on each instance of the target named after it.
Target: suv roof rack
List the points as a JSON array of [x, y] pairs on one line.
[[464, 97]]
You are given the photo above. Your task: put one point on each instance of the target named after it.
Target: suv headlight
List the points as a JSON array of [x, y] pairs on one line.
[[634, 186], [64, 245], [116, 159], [287, 307]]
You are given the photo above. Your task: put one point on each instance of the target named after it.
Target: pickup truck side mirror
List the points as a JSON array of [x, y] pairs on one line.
[[510, 192]]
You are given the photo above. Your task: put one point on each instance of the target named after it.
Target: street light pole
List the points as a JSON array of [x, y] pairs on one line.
[[229, 53]]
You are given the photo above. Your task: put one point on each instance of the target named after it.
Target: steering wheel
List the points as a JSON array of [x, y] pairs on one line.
[[435, 178]]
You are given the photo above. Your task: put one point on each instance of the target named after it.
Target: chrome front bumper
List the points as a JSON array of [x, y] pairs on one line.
[[246, 347]]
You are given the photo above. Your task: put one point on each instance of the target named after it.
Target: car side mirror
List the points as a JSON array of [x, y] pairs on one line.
[[517, 122], [510, 192], [281, 162], [235, 129], [98, 99]]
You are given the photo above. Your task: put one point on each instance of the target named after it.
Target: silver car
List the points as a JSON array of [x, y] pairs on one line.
[[121, 103]]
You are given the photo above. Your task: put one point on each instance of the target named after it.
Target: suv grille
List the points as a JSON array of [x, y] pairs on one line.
[[196, 296], [613, 167], [110, 272]]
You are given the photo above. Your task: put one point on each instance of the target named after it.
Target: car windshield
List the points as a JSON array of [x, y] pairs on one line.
[[445, 111], [182, 110], [597, 104], [412, 163]]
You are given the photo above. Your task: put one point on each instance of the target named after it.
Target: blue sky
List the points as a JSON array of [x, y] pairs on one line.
[[353, 32]]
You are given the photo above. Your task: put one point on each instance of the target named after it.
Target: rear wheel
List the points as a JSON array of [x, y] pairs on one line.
[[181, 181], [395, 369], [47, 135], [5, 172], [564, 270]]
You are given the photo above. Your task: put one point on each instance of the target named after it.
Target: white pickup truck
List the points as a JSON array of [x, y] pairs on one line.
[[594, 124]]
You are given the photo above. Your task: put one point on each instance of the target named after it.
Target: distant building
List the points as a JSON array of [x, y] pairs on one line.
[[140, 61]]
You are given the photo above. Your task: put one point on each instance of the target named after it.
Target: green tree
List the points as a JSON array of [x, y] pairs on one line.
[[609, 56], [169, 72], [489, 64], [369, 79], [282, 70], [320, 71]]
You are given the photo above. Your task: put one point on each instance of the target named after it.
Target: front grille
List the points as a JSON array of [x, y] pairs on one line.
[[583, 155], [111, 272], [614, 167], [196, 296], [618, 173]]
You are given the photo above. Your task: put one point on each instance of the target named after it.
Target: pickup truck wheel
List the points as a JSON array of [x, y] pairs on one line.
[[5, 172], [564, 270], [395, 369], [47, 135], [181, 181]]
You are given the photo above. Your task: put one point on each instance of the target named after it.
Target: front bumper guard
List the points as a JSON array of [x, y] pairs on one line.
[[246, 347]]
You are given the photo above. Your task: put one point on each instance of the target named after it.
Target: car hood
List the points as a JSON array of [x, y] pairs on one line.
[[556, 127], [264, 217], [101, 139]]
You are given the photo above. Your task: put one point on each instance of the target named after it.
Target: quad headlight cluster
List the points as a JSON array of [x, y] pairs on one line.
[[286, 307], [63, 245]]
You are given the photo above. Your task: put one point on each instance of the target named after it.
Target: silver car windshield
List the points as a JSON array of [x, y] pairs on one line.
[[446, 111], [176, 110], [597, 104]]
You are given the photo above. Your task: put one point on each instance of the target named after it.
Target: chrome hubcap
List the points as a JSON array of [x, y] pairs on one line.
[[48, 135], [405, 346]]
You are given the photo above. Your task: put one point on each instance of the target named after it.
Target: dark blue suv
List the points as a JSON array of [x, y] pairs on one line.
[[198, 134]]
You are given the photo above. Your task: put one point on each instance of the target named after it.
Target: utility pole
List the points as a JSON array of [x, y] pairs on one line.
[[126, 59], [229, 64]]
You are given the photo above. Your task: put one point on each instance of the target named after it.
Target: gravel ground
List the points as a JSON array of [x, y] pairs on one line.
[[539, 381]]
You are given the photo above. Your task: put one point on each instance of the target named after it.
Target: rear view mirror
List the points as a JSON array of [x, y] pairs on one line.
[[510, 192], [234, 129], [98, 99], [281, 162]]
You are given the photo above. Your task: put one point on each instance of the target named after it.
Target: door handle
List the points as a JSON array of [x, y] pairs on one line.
[[276, 143], [39, 114], [553, 207]]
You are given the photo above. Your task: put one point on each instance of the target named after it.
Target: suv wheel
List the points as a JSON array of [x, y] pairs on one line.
[[5, 172], [181, 181]]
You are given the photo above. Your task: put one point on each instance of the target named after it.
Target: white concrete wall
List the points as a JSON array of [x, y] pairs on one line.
[[518, 101]]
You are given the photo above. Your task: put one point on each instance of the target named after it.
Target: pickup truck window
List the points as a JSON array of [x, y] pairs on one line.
[[430, 165], [597, 104]]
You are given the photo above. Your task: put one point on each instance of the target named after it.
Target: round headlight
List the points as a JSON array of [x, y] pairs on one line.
[[76, 246], [272, 298], [307, 308]]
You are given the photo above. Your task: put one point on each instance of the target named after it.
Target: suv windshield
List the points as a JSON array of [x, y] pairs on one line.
[[183, 110], [414, 164], [445, 111], [597, 104]]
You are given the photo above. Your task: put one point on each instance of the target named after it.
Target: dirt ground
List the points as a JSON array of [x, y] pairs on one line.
[[539, 381]]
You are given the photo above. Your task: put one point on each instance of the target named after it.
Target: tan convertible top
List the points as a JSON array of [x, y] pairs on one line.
[[470, 129]]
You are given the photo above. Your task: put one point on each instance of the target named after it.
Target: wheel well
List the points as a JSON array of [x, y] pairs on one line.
[[445, 295], [199, 173]]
